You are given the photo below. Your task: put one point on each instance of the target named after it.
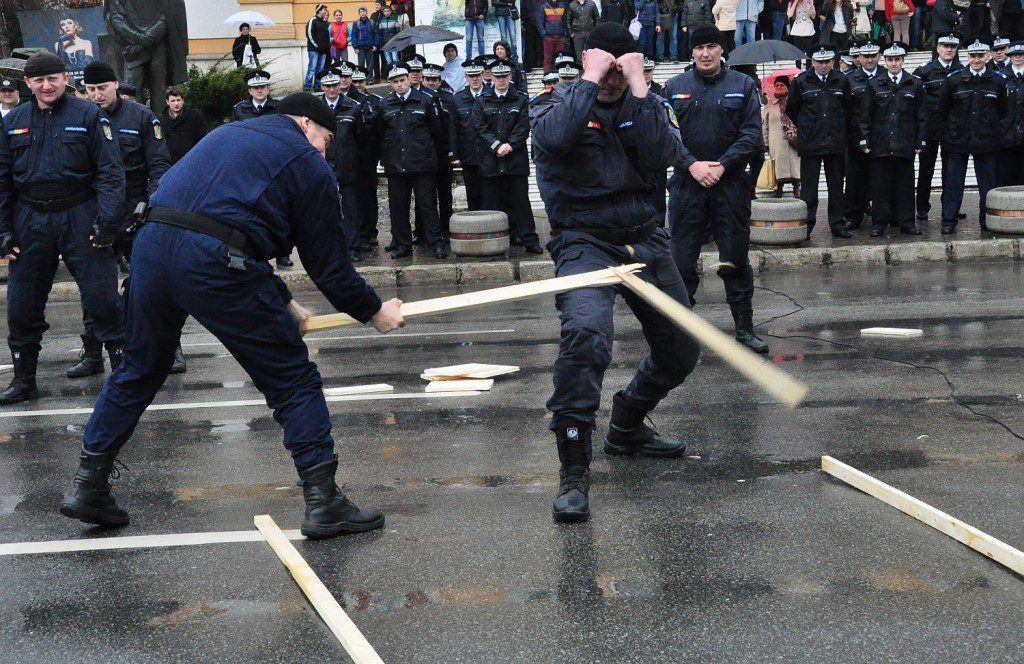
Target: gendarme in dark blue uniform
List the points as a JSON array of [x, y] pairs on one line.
[[61, 181], [719, 121], [596, 169], [285, 196]]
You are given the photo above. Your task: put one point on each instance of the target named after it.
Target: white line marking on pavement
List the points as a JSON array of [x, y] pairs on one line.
[[137, 542], [245, 402]]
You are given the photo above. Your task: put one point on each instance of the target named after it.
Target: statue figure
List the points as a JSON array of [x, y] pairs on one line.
[[153, 40]]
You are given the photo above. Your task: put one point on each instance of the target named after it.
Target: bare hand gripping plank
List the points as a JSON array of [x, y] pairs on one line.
[[773, 380]]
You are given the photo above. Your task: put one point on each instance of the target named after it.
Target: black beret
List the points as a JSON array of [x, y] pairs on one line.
[[306, 105], [613, 38], [703, 34], [128, 89], [43, 64], [97, 72]]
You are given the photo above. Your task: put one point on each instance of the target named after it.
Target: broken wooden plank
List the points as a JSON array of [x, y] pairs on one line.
[[983, 543], [355, 644], [6, 367], [472, 370], [898, 332], [358, 389], [773, 380], [606, 277], [479, 385]]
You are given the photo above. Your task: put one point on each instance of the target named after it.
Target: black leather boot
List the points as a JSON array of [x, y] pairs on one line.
[[328, 512], [90, 360], [629, 435], [575, 451], [23, 386], [178, 365], [114, 354], [90, 500], [744, 319]]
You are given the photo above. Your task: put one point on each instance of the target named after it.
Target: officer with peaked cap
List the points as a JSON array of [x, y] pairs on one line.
[[8, 96], [1012, 156], [598, 143], [652, 85], [343, 153], [845, 62], [62, 194], [462, 140], [569, 72], [259, 102], [203, 252], [855, 56], [893, 121], [1000, 47], [409, 130], [501, 123], [858, 180], [433, 82], [367, 159], [974, 100], [719, 112], [80, 89], [144, 153], [934, 75]]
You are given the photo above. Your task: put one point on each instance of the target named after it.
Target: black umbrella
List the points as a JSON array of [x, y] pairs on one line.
[[420, 34], [766, 50]]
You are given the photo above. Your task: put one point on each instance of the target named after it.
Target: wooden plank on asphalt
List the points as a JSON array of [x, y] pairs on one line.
[[355, 644], [983, 543]]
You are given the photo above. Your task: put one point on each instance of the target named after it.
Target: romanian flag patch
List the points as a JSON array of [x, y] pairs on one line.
[[593, 125], [18, 132], [682, 95]]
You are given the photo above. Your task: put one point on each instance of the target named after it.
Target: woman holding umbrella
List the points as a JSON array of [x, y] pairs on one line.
[[246, 48]]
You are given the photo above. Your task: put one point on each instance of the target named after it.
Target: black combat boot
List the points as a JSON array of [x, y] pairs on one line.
[[90, 500], [328, 512], [90, 360], [178, 365], [574, 452], [114, 354], [23, 386], [744, 319], [629, 435]]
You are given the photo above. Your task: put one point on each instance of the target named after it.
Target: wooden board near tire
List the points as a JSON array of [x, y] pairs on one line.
[[778, 221], [1004, 210], [479, 233]]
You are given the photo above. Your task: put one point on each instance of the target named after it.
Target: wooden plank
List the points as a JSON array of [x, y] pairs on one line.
[[480, 385], [900, 332], [358, 389], [355, 644], [6, 367], [773, 380], [472, 370], [983, 543], [606, 277]]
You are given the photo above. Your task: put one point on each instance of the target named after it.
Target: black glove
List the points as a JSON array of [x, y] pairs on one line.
[[102, 238], [6, 244]]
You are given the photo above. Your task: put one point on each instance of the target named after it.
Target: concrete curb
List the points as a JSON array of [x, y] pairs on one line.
[[761, 259]]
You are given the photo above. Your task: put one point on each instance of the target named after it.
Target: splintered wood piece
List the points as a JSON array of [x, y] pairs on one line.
[[898, 332], [773, 380], [358, 389], [966, 534], [480, 385], [606, 277], [473, 370], [355, 644]]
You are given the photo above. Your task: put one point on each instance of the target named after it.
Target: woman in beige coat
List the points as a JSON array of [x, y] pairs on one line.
[[777, 126], [724, 12]]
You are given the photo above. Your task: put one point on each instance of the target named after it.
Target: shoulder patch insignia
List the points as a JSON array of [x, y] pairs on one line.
[[672, 116], [107, 133], [158, 131]]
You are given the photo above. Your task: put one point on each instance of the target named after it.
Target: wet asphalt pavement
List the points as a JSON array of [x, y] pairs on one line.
[[743, 552]]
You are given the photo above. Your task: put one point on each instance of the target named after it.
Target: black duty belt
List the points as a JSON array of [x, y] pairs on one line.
[[58, 204], [234, 238], [615, 235]]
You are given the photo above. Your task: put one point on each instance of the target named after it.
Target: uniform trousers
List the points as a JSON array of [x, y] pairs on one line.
[[723, 210], [986, 168], [810, 174], [858, 184], [510, 194], [444, 195], [585, 347], [350, 220], [43, 238], [401, 187], [474, 196], [1011, 166], [368, 207], [892, 192], [925, 173], [178, 273]]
